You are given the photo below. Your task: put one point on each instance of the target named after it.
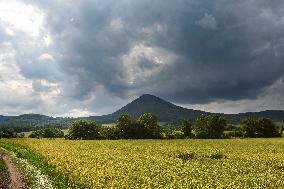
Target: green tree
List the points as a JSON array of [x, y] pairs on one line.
[[262, 127], [211, 126], [149, 124], [186, 127], [47, 133], [268, 128], [250, 127], [125, 125], [84, 130]]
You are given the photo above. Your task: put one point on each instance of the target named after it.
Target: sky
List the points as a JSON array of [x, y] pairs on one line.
[[91, 57]]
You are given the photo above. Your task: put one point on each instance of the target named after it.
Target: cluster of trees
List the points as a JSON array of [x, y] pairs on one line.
[[145, 127], [8, 134], [262, 127], [47, 133]]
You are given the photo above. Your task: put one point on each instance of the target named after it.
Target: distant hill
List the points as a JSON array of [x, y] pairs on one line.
[[28, 122], [166, 112]]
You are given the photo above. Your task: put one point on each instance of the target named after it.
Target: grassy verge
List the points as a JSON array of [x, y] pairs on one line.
[[2, 165], [58, 179]]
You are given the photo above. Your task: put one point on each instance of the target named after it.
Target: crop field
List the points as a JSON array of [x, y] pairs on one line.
[[234, 163]]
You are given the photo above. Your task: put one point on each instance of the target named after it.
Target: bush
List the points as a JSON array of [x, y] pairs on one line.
[[175, 135], [47, 133], [232, 134]]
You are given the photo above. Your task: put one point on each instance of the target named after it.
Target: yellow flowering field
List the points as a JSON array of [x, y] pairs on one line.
[[234, 163]]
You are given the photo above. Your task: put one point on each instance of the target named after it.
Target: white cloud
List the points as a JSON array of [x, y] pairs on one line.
[[143, 62], [78, 113], [18, 16], [207, 22], [47, 56]]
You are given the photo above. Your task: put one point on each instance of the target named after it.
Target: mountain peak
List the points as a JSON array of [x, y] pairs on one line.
[[165, 110], [148, 96]]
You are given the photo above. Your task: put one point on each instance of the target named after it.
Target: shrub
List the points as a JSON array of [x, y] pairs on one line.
[[175, 135], [232, 134], [47, 133]]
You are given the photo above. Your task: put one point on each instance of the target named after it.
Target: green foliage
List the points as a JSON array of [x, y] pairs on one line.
[[125, 125], [145, 127], [186, 127], [262, 127], [232, 134], [211, 126], [47, 133], [149, 123], [32, 122], [175, 134], [84, 130], [8, 134], [111, 133], [2, 165]]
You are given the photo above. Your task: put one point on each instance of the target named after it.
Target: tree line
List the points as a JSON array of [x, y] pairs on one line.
[[147, 127]]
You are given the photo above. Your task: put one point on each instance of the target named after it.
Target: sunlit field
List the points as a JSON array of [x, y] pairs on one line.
[[237, 163]]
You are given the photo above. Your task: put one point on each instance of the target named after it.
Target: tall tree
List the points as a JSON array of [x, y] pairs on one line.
[[84, 130], [149, 123], [211, 126], [186, 127]]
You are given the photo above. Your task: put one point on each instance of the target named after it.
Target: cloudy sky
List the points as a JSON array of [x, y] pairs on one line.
[[90, 57]]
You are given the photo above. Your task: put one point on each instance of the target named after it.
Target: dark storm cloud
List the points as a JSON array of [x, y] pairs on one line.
[[188, 51]]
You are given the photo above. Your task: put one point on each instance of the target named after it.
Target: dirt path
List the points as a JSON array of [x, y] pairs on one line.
[[16, 179]]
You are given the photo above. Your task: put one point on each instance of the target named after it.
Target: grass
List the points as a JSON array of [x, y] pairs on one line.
[[234, 163], [2, 165], [58, 179]]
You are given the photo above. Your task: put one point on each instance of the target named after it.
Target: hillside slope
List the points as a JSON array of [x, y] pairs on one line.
[[165, 111], [168, 112]]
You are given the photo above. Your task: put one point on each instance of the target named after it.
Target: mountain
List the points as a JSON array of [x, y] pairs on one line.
[[168, 112]]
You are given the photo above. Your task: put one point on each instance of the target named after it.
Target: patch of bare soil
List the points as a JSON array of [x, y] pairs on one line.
[[5, 180], [13, 176]]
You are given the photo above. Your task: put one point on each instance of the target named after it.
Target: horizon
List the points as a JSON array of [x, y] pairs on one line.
[[130, 103], [214, 56]]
